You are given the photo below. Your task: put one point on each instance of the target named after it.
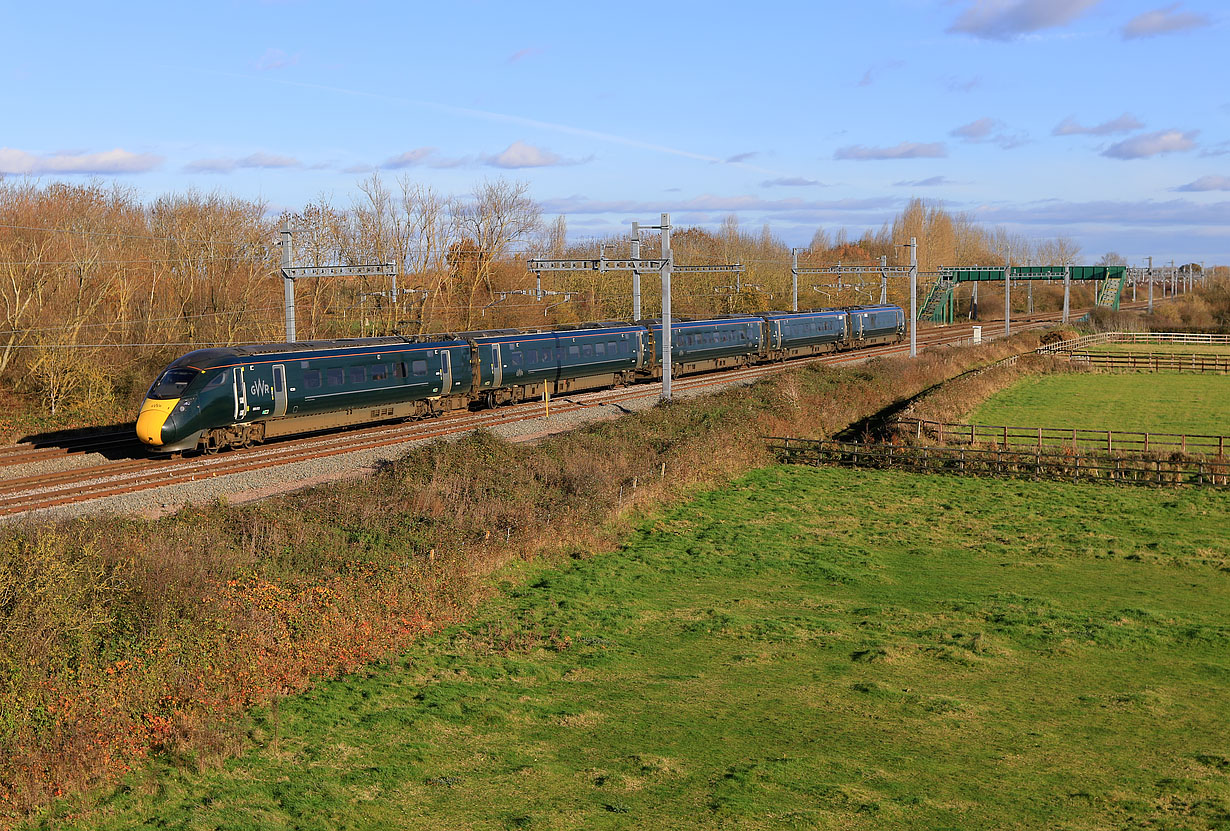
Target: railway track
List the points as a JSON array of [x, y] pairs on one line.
[[134, 471]]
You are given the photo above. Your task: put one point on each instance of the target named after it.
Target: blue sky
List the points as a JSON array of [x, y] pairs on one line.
[[1107, 120]]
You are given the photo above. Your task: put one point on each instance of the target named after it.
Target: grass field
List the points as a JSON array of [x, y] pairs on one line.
[[1154, 402], [1167, 348], [802, 649]]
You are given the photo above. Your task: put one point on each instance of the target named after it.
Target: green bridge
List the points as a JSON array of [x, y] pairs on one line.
[[940, 303]]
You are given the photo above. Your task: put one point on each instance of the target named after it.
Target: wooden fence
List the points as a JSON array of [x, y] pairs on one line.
[[1074, 438], [1068, 465], [1135, 337], [1151, 361]]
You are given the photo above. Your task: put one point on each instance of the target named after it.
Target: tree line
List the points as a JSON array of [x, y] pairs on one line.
[[98, 289]]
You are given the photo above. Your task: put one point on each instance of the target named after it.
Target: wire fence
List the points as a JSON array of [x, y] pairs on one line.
[[1068, 465]]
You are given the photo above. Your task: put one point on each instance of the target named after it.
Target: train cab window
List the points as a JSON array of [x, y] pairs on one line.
[[574, 352], [335, 376], [356, 374], [587, 350], [380, 372], [600, 349], [419, 368], [172, 382], [311, 379], [223, 377], [399, 369]]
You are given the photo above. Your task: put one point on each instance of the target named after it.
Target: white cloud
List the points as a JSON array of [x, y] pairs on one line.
[[519, 155], [708, 203], [933, 181], [791, 182], [275, 59], [1152, 144], [118, 160], [1007, 19], [875, 70], [255, 160], [904, 150], [269, 160], [1163, 20], [1206, 183], [975, 130], [522, 54], [410, 158], [1125, 123]]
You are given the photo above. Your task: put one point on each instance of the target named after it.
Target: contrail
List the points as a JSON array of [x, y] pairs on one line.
[[507, 118]]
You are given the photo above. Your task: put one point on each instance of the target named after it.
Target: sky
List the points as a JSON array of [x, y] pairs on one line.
[[1104, 120]]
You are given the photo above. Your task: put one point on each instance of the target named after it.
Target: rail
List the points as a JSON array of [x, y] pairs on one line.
[[1076, 438], [1068, 465]]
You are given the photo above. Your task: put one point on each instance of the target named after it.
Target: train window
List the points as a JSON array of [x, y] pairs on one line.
[[574, 352], [419, 367], [311, 378], [587, 350], [612, 347], [357, 374], [172, 382], [380, 372], [399, 369], [223, 377], [548, 355], [600, 349], [516, 357], [335, 376]]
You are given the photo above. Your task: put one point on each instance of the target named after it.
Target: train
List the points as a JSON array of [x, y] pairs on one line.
[[220, 398]]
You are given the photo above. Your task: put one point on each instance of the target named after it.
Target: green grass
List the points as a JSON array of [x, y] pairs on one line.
[[1154, 402], [1168, 348], [802, 649]]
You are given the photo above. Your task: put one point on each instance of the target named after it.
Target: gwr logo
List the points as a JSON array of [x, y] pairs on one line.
[[261, 387]]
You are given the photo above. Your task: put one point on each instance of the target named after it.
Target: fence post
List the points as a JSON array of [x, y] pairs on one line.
[[971, 435], [1109, 447], [1146, 442], [1039, 439]]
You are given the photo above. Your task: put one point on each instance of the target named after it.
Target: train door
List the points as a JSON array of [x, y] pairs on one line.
[[240, 393], [279, 390], [446, 372], [497, 366]]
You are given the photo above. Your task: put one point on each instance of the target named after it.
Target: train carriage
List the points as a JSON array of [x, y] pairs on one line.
[[244, 394], [795, 334], [876, 324], [519, 364], [705, 345]]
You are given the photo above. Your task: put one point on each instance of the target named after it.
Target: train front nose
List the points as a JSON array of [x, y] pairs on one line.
[[153, 415]]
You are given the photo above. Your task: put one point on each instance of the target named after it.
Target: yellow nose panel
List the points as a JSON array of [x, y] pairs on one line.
[[153, 415]]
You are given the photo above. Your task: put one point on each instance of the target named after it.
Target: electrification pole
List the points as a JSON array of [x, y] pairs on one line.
[[794, 279], [1008, 295], [666, 307], [1150, 285], [1067, 290], [913, 297], [288, 284]]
